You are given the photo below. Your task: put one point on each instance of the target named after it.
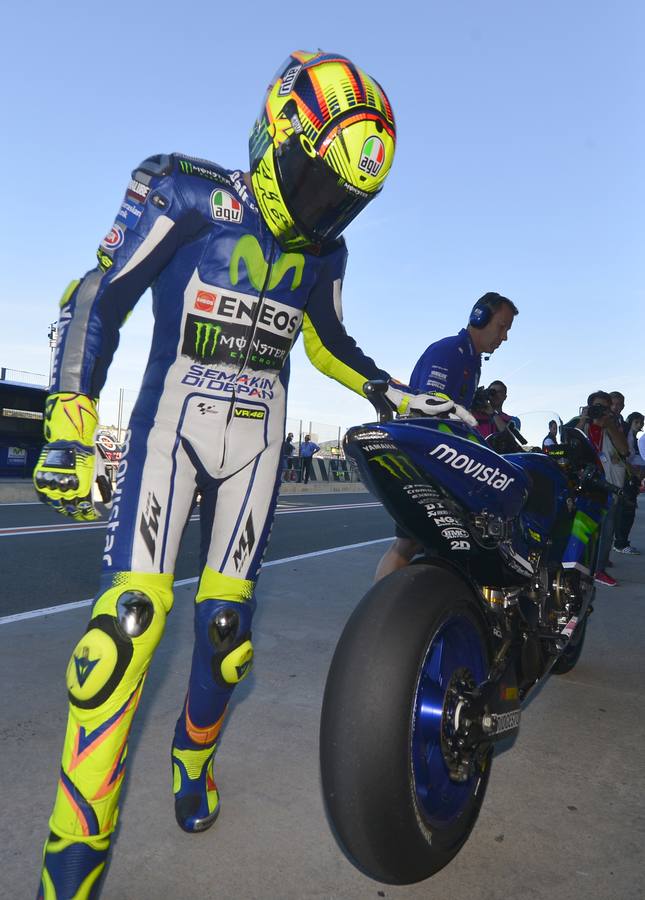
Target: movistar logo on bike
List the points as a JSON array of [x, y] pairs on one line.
[[477, 470], [225, 208], [201, 338]]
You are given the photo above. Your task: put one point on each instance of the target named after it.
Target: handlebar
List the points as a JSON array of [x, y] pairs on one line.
[[591, 476], [512, 427], [375, 393]]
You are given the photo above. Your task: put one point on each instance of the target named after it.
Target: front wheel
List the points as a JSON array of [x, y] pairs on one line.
[[416, 638]]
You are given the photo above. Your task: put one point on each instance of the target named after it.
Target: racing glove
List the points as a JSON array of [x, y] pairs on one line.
[[406, 403], [64, 474]]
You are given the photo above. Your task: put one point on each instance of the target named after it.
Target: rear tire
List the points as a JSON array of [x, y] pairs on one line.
[[389, 797]]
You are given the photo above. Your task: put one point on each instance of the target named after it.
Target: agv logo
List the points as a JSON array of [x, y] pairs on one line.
[[225, 208], [372, 156]]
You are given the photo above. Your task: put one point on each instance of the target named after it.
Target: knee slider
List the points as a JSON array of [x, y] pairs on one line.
[[125, 628], [229, 636]]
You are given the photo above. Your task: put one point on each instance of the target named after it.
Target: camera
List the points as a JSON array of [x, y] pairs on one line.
[[482, 398], [597, 411]]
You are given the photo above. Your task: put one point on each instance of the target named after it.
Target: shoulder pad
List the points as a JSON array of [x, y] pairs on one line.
[[155, 165], [201, 168]]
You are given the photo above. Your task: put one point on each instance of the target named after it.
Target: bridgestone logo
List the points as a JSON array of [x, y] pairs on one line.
[[477, 470], [507, 721]]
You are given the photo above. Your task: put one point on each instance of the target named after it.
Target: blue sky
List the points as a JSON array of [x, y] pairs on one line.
[[520, 168]]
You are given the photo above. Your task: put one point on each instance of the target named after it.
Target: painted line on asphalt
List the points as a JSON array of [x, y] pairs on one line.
[[32, 530], [66, 607], [287, 494]]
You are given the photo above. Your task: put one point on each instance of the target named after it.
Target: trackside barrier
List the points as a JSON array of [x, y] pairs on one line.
[[323, 470]]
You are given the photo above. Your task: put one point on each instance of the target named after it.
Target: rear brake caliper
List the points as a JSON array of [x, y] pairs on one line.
[[474, 717]]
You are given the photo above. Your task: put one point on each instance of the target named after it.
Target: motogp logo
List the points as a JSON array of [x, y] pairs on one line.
[[372, 156], [225, 208], [114, 239]]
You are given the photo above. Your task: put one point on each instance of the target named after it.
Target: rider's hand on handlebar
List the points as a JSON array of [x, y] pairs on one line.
[[64, 474], [405, 402], [460, 412]]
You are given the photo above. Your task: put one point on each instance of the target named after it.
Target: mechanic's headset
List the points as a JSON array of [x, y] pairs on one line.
[[482, 312]]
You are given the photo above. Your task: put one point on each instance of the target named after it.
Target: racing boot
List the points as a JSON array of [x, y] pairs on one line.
[[72, 870], [196, 796], [222, 657]]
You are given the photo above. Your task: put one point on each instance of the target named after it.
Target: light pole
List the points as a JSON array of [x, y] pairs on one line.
[[52, 334]]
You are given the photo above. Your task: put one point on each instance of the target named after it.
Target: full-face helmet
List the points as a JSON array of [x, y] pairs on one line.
[[321, 147]]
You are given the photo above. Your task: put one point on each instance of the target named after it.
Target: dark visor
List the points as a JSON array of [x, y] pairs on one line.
[[319, 201]]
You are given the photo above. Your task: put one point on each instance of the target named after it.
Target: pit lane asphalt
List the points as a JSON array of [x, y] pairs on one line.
[[562, 818], [40, 569]]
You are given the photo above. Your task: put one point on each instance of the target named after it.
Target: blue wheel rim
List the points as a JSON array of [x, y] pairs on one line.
[[456, 645]]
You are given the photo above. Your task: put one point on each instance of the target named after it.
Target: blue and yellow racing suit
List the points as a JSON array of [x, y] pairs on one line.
[[228, 305]]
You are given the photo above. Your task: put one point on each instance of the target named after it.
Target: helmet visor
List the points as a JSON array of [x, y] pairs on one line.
[[320, 202]]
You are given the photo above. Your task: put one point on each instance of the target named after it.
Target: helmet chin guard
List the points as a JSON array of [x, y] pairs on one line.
[[320, 149]]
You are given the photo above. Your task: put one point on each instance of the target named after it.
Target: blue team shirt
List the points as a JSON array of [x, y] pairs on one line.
[[308, 448], [450, 366]]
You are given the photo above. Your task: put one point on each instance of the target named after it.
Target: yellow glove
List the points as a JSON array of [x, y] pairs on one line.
[[64, 474]]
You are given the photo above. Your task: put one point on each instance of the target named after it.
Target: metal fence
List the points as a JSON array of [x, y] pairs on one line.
[[328, 437], [23, 377]]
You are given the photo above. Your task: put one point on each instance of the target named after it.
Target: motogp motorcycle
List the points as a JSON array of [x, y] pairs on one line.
[[436, 661]]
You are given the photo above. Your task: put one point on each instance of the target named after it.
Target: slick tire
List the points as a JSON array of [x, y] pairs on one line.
[[370, 727]]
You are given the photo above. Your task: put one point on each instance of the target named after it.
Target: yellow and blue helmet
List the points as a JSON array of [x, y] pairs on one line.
[[321, 147]]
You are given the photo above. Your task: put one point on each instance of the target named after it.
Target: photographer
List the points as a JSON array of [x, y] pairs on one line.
[[487, 409], [602, 427]]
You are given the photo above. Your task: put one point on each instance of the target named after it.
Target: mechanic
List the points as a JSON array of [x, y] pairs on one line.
[[239, 263], [452, 366]]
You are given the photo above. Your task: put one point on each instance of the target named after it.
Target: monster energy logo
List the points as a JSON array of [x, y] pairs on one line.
[[185, 166], [249, 251], [202, 339], [206, 334], [398, 465]]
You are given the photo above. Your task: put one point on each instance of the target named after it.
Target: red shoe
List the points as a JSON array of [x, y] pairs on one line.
[[604, 578]]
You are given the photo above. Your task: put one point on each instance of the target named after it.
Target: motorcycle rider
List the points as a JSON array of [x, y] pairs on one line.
[[453, 366], [239, 263]]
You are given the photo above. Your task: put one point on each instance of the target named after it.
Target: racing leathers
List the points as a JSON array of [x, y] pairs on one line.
[[228, 304]]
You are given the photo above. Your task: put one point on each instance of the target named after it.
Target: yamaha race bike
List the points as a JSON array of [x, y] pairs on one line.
[[437, 659]]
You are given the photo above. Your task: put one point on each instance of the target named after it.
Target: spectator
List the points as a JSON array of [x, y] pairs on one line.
[[287, 452], [307, 450], [452, 366], [617, 406], [490, 416], [601, 426], [641, 445], [551, 440], [626, 511]]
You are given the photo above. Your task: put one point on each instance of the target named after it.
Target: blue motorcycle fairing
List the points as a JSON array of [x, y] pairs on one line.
[[436, 506], [454, 455], [545, 504]]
